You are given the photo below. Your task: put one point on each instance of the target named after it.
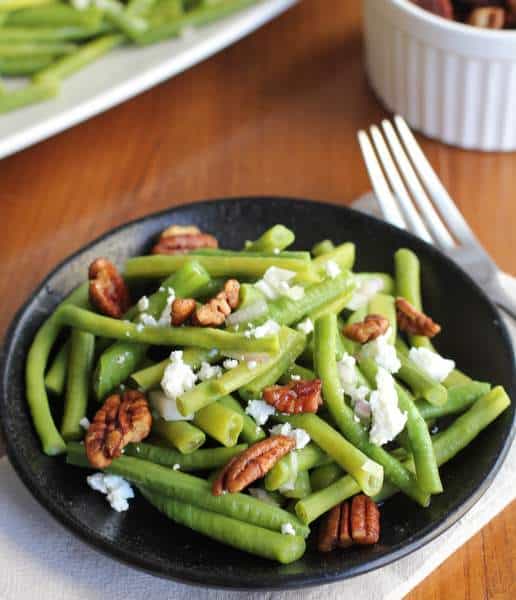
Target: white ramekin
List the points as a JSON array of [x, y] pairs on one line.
[[450, 81]]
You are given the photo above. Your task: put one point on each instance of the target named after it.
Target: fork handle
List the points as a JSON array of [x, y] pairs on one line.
[[503, 293]]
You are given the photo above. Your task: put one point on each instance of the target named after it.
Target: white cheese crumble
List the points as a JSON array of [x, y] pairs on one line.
[[382, 352], [288, 529], [143, 304], [252, 364], [84, 423], [262, 495], [166, 407], [332, 269], [208, 372], [300, 436], [116, 489], [178, 376], [387, 418], [276, 283], [367, 288], [176, 467], [230, 363], [80, 4], [260, 411], [346, 368], [433, 364], [306, 326], [295, 377], [270, 327], [164, 319]]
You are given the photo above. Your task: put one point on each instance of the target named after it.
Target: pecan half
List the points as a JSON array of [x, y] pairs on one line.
[[180, 239], [108, 291], [181, 310], [442, 8], [489, 17], [252, 464], [215, 311], [369, 329], [295, 397], [355, 522], [413, 321], [121, 420]]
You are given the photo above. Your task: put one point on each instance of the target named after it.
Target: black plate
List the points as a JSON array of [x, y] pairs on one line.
[[473, 334]]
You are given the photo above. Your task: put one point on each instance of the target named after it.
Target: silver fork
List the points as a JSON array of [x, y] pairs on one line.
[[406, 203]]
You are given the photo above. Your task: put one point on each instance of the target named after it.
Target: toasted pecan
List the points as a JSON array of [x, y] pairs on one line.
[[295, 397], [215, 311], [252, 464], [181, 310], [108, 291], [181, 239], [367, 330], [352, 522], [120, 420], [413, 321]]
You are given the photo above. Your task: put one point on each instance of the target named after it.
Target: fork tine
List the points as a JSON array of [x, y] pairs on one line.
[[451, 214], [415, 224], [438, 230], [388, 205]]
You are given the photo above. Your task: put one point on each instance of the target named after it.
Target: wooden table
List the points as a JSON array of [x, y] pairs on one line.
[[275, 114]]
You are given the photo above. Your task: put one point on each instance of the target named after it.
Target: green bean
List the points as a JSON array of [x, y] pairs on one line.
[[21, 49], [251, 432], [227, 343], [55, 378], [342, 414], [142, 7], [55, 15], [323, 476], [462, 431], [122, 358], [182, 435], [323, 247], [37, 358], [80, 364], [29, 94], [383, 304], [343, 255], [198, 460], [249, 296], [194, 18], [335, 306], [292, 344], [85, 55], [420, 383], [367, 473], [220, 422], [460, 398], [8, 5], [308, 457], [238, 534], [226, 264], [46, 34], [427, 471], [188, 488], [24, 65], [302, 487], [132, 25], [150, 377], [388, 282], [276, 238], [313, 506], [212, 287], [298, 372]]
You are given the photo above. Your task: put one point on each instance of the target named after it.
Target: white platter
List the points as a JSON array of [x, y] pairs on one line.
[[126, 72]]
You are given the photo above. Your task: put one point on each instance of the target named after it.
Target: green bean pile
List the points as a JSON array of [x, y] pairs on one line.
[[49, 40], [79, 357]]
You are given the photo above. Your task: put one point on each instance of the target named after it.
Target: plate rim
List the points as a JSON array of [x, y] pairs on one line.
[[291, 582]]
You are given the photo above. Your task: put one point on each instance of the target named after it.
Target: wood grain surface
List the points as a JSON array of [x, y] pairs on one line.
[[275, 114]]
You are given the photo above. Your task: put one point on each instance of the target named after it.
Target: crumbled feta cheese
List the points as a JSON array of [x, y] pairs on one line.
[[332, 269], [295, 377], [288, 529], [346, 368], [262, 495], [276, 283], [178, 376], [208, 372], [166, 407], [382, 352], [260, 411], [84, 423], [367, 288], [252, 364], [300, 436], [359, 394], [116, 489], [140, 326], [80, 4], [143, 304], [120, 359], [176, 467], [164, 319], [433, 364], [270, 327], [387, 418], [230, 363], [306, 326], [276, 251]]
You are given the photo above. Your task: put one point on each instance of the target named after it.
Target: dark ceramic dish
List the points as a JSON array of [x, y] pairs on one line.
[[473, 334]]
